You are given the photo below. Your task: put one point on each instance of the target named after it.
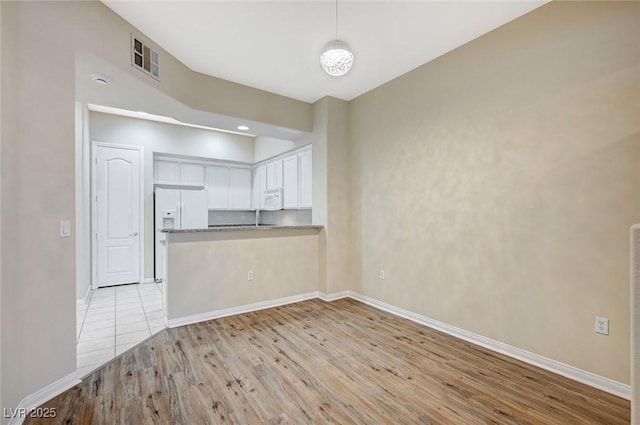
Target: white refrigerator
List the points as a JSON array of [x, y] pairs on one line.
[[177, 209]]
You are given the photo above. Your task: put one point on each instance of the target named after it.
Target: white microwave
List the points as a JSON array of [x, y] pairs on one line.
[[273, 200]]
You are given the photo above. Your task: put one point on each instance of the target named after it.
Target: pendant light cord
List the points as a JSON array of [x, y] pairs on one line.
[[336, 19]]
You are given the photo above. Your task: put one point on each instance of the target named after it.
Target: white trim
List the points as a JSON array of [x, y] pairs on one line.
[[634, 239], [45, 394], [85, 299], [94, 217], [335, 296], [247, 308], [600, 382], [571, 372], [148, 280], [588, 378]]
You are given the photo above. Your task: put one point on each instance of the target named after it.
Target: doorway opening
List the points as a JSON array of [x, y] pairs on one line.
[[115, 319]]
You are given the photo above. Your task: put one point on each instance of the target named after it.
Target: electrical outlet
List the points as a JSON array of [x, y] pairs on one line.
[[602, 325], [381, 274], [250, 275]]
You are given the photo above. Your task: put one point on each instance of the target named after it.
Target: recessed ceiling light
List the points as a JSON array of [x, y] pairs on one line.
[[242, 127], [100, 79]]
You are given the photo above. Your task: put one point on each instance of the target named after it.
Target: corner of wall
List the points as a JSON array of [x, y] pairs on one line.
[[635, 322], [82, 228], [332, 192], [8, 96], [355, 230], [1, 61]]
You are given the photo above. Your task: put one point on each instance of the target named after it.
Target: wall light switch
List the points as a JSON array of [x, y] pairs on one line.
[[65, 228]]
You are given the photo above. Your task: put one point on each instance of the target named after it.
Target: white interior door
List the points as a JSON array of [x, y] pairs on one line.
[[117, 230]]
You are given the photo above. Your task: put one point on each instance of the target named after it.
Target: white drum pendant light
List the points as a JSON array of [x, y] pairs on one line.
[[336, 58]]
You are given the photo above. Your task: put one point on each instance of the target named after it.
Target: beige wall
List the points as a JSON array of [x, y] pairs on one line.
[[208, 271], [38, 177], [494, 185], [38, 282], [497, 184], [331, 193], [635, 323], [1, 134]]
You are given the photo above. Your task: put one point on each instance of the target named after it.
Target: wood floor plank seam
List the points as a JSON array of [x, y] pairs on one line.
[[317, 362]]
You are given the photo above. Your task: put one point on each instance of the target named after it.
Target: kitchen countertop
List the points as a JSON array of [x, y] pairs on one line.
[[227, 228]]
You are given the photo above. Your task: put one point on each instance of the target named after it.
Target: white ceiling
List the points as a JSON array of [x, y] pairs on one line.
[[275, 46]]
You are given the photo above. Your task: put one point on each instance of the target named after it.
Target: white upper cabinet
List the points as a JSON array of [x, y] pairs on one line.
[[218, 182], [166, 172], [228, 185], [274, 175], [259, 186], [279, 174], [306, 180], [177, 172], [191, 174], [240, 189], [232, 186], [228, 188], [298, 180], [290, 182]]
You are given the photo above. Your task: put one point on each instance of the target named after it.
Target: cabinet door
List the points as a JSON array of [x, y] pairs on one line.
[[240, 189], [274, 175], [191, 174], [271, 176], [259, 186], [290, 182], [306, 185], [166, 172], [218, 187], [279, 174]]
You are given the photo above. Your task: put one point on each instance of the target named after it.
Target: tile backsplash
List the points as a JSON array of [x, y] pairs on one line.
[[281, 218], [286, 217], [232, 217]]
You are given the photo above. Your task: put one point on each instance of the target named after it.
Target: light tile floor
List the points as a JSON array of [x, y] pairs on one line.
[[115, 319]]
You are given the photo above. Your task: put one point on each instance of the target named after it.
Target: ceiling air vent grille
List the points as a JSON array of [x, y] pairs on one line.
[[145, 58]]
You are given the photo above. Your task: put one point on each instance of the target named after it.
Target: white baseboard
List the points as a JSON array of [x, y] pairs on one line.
[[588, 378], [571, 372], [43, 395], [187, 320], [148, 280], [335, 296], [85, 299], [605, 384]]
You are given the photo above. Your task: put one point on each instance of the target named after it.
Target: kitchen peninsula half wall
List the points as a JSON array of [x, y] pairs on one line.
[[222, 271]]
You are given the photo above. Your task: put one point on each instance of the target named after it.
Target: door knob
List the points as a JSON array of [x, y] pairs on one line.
[[134, 234]]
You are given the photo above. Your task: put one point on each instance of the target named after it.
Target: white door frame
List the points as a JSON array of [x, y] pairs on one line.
[[94, 210]]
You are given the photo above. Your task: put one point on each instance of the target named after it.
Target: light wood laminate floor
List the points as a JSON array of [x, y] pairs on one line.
[[315, 363]]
